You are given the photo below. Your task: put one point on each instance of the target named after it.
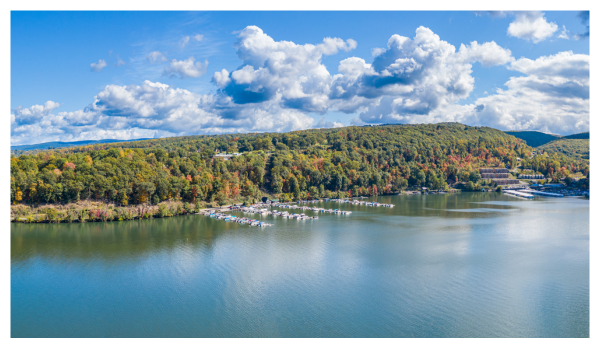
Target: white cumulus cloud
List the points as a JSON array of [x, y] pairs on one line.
[[221, 79], [278, 84], [150, 110], [564, 64], [488, 54], [34, 113], [186, 68], [552, 96], [416, 75], [531, 26], [290, 73]]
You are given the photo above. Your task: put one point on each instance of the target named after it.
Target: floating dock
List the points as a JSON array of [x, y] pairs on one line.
[[353, 201], [231, 218], [542, 193], [517, 193], [259, 208], [291, 206]]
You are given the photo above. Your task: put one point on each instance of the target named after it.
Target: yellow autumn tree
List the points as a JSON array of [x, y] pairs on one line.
[[18, 196]]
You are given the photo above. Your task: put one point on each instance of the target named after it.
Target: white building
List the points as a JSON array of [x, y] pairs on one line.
[[227, 156]]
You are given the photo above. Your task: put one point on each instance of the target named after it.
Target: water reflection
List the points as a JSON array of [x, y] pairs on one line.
[[479, 264], [114, 240]]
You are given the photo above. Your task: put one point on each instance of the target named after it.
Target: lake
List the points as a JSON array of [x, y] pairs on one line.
[[456, 265]]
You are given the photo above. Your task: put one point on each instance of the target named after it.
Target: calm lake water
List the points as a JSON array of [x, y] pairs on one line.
[[460, 265]]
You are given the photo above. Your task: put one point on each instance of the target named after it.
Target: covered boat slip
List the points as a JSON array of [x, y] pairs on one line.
[[528, 193], [542, 193], [517, 194]]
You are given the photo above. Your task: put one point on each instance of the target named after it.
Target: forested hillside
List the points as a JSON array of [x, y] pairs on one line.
[[55, 145], [323, 162], [576, 146], [573, 147]]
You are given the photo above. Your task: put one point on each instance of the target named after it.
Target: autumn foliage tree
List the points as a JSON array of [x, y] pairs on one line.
[[354, 161]]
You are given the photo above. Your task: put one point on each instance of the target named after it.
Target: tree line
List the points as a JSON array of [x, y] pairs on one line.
[[341, 162]]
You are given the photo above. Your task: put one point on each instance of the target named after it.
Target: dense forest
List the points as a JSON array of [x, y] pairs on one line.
[[572, 147], [55, 145], [349, 161]]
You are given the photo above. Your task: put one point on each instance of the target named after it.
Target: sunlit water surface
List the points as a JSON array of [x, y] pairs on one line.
[[459, 265]]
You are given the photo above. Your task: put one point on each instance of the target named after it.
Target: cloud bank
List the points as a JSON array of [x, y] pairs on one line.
[[282, 86]]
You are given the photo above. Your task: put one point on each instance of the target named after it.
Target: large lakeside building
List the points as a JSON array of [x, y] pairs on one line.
[[499, 176]]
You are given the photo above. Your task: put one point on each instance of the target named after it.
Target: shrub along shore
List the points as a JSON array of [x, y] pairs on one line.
[[91, 211], [100, 211]]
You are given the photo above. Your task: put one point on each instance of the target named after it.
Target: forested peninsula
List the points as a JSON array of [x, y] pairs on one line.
[[183, 174]]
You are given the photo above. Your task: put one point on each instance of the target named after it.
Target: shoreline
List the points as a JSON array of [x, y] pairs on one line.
[[95, 211]]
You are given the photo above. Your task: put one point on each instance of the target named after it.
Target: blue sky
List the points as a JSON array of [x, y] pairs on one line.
[[528, 70]]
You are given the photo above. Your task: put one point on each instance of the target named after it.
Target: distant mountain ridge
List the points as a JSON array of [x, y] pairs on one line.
[[580, 136], [533, 138], [49, 145], [536, 138]]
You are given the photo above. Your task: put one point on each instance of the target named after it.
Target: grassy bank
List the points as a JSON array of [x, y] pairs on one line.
[[99, 211], [94, 211]]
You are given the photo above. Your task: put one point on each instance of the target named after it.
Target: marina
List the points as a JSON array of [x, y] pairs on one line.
[[241, 220], [265, 212], [260, 208], [315, 209]]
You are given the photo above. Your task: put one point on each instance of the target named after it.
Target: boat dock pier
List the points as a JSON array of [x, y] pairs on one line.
[[259, 208], [517, 193], [350, 201], [231, 218], [292, 206], [542, 193]]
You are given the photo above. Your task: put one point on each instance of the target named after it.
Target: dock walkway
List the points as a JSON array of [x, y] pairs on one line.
[[517, 193], [543, 193]]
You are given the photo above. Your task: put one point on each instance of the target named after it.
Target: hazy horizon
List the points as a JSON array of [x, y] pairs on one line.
[[256, 132]]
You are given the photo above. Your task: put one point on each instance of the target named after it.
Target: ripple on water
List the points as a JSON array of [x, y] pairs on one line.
[[437, 265]]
